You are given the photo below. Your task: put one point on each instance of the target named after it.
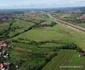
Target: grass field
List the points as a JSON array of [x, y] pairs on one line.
[[30, 47], [4, 26], [59, 32], [19, 26], [66, 58]]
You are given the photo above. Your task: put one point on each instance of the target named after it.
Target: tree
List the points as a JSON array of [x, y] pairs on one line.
[[79, 49], [69, 46]]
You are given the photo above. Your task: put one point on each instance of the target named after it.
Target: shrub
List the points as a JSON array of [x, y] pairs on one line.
[[79, 49], [50, 56], [69, 46]]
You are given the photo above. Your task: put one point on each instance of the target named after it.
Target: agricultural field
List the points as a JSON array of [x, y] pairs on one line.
[[66, 58], [38, 42], [59, 32]]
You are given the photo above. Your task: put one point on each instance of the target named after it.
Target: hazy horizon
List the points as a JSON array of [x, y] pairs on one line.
[[27, 4]]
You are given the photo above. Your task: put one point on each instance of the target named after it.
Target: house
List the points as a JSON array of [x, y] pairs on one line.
[[81, 54], [81, 17], [3, 18], [7, 65], [3, 44], [2, 66], [5, 55]]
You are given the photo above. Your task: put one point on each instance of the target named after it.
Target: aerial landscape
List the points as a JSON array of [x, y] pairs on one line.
[[36, 37]]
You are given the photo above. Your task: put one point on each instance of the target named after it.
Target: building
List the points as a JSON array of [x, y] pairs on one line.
[[81, 17], [2, 66], [81, 54], [3, 44]]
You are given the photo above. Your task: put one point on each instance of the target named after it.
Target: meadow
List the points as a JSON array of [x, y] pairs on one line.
[[66, 58], [36, 42]]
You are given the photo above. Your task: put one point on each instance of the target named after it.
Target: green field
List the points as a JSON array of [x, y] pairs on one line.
[[36, 40], [19, 26], [59, 32], [66, 58]]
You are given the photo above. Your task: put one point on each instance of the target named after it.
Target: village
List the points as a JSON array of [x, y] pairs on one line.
[[4, 65]]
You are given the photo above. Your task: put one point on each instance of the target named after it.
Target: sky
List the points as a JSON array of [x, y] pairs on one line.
[[15, 4]]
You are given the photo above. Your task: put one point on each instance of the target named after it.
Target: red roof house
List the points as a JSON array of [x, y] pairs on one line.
[[1, 65], [3, 44], [81, 17]]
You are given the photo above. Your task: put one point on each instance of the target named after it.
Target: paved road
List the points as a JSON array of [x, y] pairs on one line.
[[67, 23]]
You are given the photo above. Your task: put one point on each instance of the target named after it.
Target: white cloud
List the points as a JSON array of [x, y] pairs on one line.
[[40, 3]]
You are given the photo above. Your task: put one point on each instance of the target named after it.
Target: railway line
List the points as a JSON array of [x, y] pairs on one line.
[[67, 23], [70, 24]]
